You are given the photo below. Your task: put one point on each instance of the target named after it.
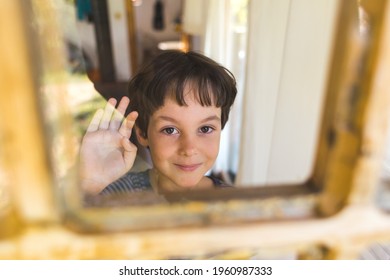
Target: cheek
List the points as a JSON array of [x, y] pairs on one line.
[[160, 146], [211, 146]]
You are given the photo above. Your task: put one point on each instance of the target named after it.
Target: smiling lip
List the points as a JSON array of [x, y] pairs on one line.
[[188, 168]]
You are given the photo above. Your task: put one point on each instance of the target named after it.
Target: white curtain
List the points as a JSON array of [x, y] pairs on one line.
[[288, 52]]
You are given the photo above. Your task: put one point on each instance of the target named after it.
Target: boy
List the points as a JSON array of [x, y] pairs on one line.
[[179, 103]]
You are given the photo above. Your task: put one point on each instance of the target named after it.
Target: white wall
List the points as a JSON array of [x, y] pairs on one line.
[[288, 56], [119, 39]]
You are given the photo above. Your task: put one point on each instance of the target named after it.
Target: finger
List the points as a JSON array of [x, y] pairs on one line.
[[108, 110], [128, 124], [119, 113], [122, 106], [94, 124]]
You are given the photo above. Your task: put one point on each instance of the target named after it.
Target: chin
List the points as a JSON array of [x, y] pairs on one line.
[[188, 184]]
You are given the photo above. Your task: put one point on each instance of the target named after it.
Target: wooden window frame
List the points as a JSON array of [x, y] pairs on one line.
[[339, 194]]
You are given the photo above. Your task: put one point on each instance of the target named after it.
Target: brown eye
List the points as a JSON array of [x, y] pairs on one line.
[[170, 130], [206, 129]]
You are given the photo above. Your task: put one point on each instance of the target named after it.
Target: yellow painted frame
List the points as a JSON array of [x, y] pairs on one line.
[[336, 210]]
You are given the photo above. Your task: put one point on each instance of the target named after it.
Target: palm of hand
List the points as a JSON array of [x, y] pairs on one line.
[[106, 152], [105, 156]]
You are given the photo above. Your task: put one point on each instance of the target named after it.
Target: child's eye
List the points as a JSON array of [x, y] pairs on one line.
[[206, 129], [170, 130]]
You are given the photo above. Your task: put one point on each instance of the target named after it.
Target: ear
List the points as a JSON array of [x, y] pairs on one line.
[[140, 137]]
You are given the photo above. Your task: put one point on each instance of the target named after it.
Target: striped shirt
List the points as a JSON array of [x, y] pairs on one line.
[[140, 182]]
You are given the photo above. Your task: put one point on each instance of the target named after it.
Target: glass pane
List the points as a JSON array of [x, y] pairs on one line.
[[67, 95], [271, 135]]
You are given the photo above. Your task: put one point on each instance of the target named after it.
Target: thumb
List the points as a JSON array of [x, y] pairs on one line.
[[129, 153]]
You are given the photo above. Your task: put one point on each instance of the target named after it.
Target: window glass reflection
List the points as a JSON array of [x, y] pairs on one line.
[[268, 138]]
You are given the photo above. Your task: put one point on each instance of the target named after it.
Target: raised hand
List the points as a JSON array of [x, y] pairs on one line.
[[106, 152]]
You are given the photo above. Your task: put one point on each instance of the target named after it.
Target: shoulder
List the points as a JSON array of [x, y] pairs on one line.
[[130, 182]]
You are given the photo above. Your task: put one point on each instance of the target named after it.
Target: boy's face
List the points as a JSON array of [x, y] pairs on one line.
[[183, 142]]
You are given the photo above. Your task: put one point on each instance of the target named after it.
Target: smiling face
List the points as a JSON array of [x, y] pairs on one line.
[[183, 142]]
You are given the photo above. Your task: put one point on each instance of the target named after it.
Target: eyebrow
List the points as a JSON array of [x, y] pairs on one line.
[[211, 118]]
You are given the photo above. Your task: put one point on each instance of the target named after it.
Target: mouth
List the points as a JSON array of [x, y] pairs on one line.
[[188, 167]]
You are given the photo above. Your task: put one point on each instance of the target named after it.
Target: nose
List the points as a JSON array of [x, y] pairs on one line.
[[187, 146]]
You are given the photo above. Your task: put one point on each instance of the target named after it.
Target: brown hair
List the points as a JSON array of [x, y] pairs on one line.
[[168, 73]]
